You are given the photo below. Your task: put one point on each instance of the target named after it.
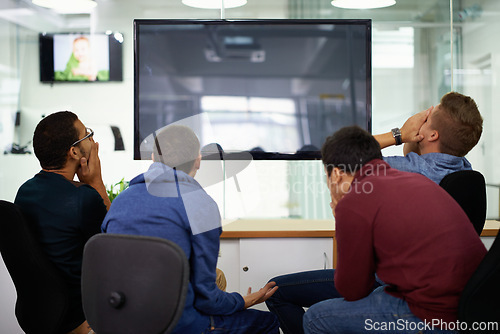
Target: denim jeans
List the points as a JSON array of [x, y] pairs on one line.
[[379, 312], [299, 290], [244, 322]]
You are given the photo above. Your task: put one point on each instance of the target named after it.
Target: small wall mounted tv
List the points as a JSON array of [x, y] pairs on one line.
[[79, 57], [273, 88]]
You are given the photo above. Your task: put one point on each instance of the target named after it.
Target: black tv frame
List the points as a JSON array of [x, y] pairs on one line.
[[256, 155]]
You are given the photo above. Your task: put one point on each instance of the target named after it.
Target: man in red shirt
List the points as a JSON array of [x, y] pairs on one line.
[[396, 227]]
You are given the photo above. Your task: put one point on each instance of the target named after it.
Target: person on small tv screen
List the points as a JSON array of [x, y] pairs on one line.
[[81, 65]]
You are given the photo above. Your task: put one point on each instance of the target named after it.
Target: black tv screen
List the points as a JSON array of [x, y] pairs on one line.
[[274, 88], [75, 57]]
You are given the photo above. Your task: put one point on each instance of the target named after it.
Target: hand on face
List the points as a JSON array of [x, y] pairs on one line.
[[335, 196], [410, 130], [90, 168], [333, 205], [338, 187]]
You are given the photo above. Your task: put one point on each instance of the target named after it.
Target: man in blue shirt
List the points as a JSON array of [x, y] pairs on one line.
[[437, 139], [166, 201]]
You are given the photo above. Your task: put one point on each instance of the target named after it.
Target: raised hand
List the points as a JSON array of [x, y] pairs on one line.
[[410, 130], [89, 172]]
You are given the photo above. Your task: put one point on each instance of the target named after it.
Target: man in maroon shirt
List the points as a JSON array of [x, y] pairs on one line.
[[396, 227]]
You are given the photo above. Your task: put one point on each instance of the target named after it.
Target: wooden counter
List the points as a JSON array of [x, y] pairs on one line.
[[301, 228], [278, 228], [491, 228]]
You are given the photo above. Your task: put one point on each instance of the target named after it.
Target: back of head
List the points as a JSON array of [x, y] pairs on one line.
[[349, 149], [177, 146], [458, 123], [53, 137]]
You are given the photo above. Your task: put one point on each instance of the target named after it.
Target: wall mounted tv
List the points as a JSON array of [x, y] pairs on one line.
[[274, 88], [75, 57]]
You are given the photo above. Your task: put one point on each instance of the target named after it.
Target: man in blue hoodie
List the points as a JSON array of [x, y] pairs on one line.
[[167, 202]]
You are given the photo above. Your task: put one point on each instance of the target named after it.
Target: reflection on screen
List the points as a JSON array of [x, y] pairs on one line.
[[272, 87], [252, 123]]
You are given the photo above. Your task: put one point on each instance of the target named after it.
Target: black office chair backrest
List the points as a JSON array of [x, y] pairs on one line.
[[42, 294], [133, 284], [480, 299], [468, 188]]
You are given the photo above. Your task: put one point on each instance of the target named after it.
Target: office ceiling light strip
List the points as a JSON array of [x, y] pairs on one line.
[[214, 4], [67, 6], [362, 4]]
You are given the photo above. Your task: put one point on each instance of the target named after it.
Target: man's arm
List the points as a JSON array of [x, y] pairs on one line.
[[204, 219], [385, 139], [93, 212], [355, 272], [90, 173], [409, 130], [203, 260]]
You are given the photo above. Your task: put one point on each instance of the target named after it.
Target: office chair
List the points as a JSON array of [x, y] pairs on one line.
[[42, 295], [480, 299], [468, 188], [133, 284]]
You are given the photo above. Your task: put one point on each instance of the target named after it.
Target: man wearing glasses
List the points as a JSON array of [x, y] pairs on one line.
[[65, 213]]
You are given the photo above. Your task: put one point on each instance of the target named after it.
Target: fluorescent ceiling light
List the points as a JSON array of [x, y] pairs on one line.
[[362, 4], [214, 4], [67, 6]]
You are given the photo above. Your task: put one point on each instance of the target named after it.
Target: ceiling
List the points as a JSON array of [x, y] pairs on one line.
[[25, 14]]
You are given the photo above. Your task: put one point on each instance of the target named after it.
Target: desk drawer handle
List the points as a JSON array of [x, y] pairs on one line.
[[245, 268]]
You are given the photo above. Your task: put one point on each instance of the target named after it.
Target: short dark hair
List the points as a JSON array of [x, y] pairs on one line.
[[53, 137], [349, 149], [458, 123], [176, 146]]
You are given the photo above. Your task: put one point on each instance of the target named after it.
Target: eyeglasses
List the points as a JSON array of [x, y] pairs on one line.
[[90, 133]]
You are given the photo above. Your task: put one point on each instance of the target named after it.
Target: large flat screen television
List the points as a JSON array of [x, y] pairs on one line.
[[79, 57], [274, 88]]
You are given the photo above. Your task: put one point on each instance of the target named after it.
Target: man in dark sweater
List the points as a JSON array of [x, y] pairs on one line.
[[65, 213], [397, 232]]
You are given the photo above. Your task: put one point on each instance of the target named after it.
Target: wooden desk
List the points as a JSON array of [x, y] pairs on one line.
[[491, 228], [278, 228]]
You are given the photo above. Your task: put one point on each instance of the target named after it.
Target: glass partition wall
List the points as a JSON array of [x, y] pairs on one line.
[[420, 51], [414, 62]]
